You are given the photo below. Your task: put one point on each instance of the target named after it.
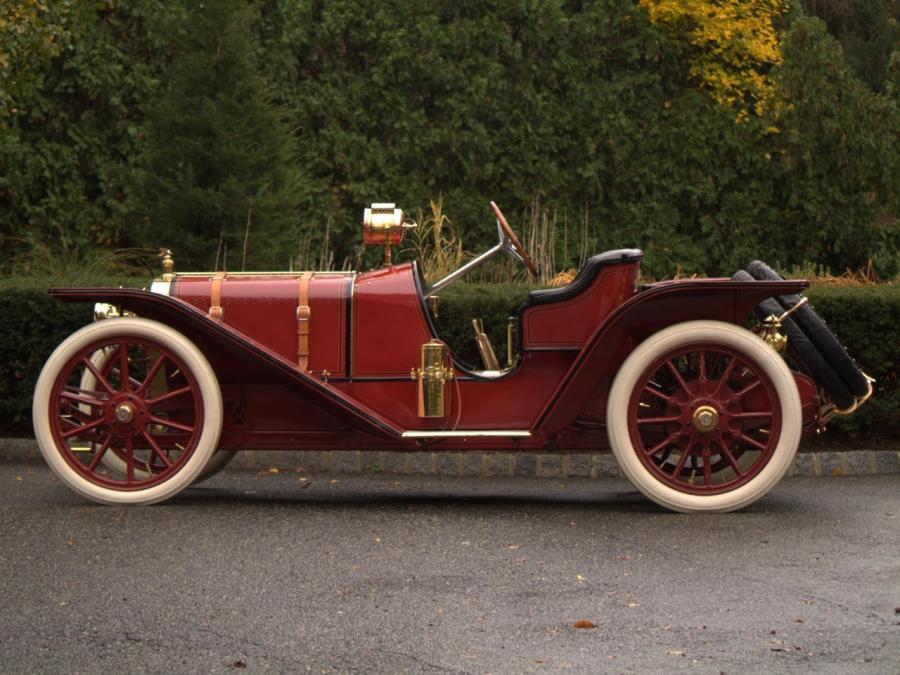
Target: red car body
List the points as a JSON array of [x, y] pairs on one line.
[[701, 413], [366, 335]]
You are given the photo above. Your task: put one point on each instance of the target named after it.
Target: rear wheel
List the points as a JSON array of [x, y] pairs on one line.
[[147, 425], [704, 416]]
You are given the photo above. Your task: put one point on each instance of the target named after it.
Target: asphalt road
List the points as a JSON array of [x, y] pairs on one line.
[[394, 574]]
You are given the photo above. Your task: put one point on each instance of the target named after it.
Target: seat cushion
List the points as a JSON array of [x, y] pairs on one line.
[[585, 277]]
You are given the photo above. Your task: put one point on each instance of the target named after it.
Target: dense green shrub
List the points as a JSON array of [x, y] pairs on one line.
[[866, 318], [138, 131]]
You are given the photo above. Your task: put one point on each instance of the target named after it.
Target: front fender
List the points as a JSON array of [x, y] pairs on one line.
[[590, 377], [233, 348]]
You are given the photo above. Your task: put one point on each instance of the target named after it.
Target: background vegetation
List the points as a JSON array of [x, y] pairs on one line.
[[245, 133]]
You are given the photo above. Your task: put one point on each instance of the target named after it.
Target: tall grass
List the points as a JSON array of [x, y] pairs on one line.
[[74, 264], [434, 243]]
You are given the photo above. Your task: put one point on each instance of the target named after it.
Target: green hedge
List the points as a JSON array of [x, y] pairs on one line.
[[866, 318]]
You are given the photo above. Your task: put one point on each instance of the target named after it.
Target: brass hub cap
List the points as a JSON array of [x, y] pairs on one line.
[[124, 413], [705, 419]]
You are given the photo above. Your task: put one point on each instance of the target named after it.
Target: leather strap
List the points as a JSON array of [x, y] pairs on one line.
[[303, 318], [216, 313]]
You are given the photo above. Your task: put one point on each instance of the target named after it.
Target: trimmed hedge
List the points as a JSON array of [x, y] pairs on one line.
[[866, 318]]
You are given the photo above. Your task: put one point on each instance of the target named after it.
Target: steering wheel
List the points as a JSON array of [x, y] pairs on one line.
[[511, 243]]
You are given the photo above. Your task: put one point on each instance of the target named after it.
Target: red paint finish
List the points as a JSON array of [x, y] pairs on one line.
[[573, 349], [587, 383], [568, 324], [810, 403], [264, 308], [389, 327]]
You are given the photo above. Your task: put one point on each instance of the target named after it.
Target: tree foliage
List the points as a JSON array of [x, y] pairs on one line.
[[163, 122], [731, 46], [216, 166]]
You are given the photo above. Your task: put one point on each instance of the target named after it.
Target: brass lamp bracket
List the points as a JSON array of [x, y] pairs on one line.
[[770, 327], [830, 411]]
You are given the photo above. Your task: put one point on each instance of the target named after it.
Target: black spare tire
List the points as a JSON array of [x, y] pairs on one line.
[[803, 350], [818, 332]]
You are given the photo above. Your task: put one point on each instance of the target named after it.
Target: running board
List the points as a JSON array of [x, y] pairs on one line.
[[494, 433]]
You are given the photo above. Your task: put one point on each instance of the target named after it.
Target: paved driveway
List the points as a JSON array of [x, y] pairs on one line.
[[393, 574]]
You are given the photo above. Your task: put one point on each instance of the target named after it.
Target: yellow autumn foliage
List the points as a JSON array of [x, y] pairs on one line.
[[731, 44]]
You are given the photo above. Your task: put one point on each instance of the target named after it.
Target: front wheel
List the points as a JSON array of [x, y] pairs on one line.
[[143, 428], [704, 417]]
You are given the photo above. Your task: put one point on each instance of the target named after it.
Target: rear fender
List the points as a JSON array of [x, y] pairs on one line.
[[230, 351], [586, 385]]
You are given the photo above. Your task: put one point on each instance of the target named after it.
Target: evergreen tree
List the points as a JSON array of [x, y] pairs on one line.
[[218, 180]]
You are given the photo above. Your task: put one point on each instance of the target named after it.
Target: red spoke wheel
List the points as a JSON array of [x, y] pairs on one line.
[[107, 362], [127, 411], [704, 416]]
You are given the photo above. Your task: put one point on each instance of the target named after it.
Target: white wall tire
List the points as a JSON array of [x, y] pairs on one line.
[[695, 434], [178, 431]]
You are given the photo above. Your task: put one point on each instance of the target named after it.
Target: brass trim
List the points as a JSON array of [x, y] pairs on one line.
[[705, 419], [168, 264], [125, 413], [106, 310], [488, 356], [484, 433], [512, 327], [856, 403], [432, 378]]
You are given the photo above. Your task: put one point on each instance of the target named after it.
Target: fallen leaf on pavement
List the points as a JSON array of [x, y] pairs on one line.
[[584, 623]]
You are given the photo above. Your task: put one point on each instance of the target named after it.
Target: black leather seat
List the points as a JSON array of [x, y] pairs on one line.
[[585, 277]]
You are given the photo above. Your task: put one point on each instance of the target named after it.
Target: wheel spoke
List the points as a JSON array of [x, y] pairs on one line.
[[663, 443], [707, 466], [102, 451], [101, 378], [751, 414], [123, 366], [129, 458], [702, 362], [156, 449], [165, 397], [732, 461], [679, 467], [170, 424], [750, 387], [151, 374], [656, 392], [729, 369], [752, 441], [86, 400], [82, 429], [678, 378], [658, 420]]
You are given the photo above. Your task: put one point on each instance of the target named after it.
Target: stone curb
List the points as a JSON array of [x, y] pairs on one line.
[[489, 464]]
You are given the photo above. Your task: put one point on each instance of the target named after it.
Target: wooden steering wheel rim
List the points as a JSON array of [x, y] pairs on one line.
[[517, 245]]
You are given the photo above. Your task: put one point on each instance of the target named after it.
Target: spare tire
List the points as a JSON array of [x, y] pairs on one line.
[[803, 350], [819, 333]]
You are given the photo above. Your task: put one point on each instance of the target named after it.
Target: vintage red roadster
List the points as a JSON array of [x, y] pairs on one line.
[[702, 412]]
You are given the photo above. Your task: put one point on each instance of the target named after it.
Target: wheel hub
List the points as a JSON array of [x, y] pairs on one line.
[[705, 419], [124, 413]]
